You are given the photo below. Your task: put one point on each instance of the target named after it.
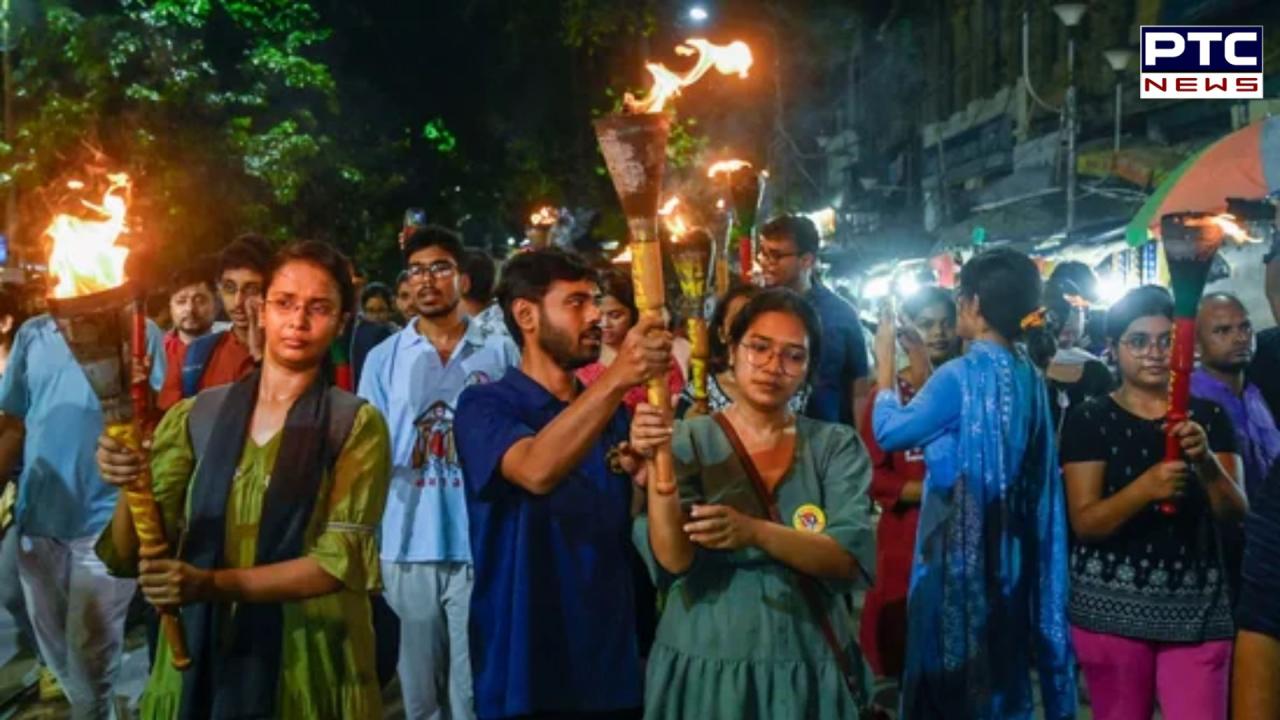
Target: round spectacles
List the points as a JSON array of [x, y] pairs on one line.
[[794, 361], [1142, 344]]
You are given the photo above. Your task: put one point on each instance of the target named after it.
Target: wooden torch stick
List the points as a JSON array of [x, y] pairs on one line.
[[142, 503], [646, 277]]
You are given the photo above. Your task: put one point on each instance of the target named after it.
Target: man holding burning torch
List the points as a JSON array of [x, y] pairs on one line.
[[787, 254], [553, 626], [52, 420]]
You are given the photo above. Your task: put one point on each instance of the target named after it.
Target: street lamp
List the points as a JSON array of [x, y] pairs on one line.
[[698, 14], [1118, 59], [1070, 14]]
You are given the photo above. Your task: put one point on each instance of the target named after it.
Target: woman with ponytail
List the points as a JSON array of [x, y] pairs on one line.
[[989, 584]]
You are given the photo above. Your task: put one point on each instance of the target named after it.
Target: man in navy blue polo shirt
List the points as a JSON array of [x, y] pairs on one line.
[[552, 610], [787, 253]]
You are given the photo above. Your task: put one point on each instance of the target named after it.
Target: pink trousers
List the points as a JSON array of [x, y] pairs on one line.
[[1125, 677]]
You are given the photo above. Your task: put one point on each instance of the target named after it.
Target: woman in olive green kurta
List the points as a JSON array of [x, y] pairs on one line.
[[737, 637], [327, 667]]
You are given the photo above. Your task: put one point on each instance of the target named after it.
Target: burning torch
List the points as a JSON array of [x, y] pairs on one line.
[[744, 190], [691, 256], [1191, 240], [103, 319], [540, 224], [634, 145]]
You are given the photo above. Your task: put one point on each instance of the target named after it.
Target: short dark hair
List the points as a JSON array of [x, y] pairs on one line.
[[796, 228], [482, 272], [1146, 301], [249, 252], [927, 297], [194, 274], [1008, 287], [324, 256], [376, 289], [529, 275], [617, 285], [435, 236], [783, 300], [1080, 275], [401, 279], [718, 350]]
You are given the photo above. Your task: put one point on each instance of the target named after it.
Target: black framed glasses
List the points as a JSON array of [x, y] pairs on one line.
[[1142, 343], [438, 270]]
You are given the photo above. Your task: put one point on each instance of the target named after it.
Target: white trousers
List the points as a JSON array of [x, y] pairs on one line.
[[78, 613], [433, 602]]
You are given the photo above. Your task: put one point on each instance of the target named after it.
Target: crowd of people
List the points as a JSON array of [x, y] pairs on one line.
[[455, 481]]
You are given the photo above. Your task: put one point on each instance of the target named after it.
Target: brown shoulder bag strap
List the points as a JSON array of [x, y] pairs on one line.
[[808, 585]]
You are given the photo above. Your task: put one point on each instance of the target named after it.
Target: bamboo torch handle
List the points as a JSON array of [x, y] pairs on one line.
[[700, 353], [1182, 363], [646, 279], [150, 529]]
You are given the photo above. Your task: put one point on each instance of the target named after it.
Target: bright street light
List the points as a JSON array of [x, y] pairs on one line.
[[698, 14]]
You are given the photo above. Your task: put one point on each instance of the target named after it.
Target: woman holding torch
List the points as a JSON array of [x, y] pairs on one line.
[[1150, 608], [769, 528], [273, 487]]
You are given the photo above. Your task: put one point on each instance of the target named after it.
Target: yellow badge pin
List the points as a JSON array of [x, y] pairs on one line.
[[809, 518]]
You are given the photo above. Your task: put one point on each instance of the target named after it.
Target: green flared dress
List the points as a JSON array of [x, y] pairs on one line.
[[327, 667], [737, 639]]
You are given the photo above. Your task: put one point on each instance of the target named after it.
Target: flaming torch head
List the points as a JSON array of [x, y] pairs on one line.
[[635, 151], [1191, 240], [691, 256], [91, 301]]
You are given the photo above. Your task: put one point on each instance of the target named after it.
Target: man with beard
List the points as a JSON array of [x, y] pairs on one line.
[[787, 255], [220, 358], [1225, 337], [414, 378], [192, 308], [553, 628]]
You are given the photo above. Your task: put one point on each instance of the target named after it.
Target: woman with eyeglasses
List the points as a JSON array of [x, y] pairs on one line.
[[618, 314], [769, 528], [988, 587], [1150, 607], [722, 389], [270, 491]]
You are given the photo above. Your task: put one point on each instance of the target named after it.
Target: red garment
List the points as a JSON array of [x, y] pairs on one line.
[[174, 352], [636, 395], [883, 634], [229, 361]]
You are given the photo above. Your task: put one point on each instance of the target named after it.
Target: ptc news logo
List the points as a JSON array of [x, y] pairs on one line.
[[1201, 62]]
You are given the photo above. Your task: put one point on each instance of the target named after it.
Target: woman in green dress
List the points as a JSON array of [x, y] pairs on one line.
[[769, 528], [273, 487]]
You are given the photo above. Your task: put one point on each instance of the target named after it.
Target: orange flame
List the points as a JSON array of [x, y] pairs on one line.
[[546, 216], [727, 166], [1229, 225], [85, 258], [669, 206], [674, 222], [732, 59]]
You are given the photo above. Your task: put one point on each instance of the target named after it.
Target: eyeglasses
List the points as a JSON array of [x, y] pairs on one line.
[[771, 257], [249, 289], [1142, 343], [290, 305], [438, 270], [760, 353]]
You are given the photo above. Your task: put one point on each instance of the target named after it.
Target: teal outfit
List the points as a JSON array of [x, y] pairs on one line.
[[737, 638]]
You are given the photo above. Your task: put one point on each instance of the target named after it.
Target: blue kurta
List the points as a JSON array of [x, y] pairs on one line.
[[989, 582], [553, 622]]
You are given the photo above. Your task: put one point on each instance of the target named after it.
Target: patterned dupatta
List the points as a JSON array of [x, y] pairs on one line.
[[990, 581]]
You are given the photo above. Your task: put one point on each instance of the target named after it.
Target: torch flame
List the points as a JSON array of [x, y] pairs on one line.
[[546, 216], [732, 59], [726, 166], [669, 206], [674, 222], [1229, 225], [85, 258]]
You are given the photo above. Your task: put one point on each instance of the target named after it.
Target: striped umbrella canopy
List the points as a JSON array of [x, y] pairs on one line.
[[1244, 164]]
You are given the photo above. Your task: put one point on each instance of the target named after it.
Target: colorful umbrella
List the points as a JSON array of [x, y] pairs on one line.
[[1244, 164]]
